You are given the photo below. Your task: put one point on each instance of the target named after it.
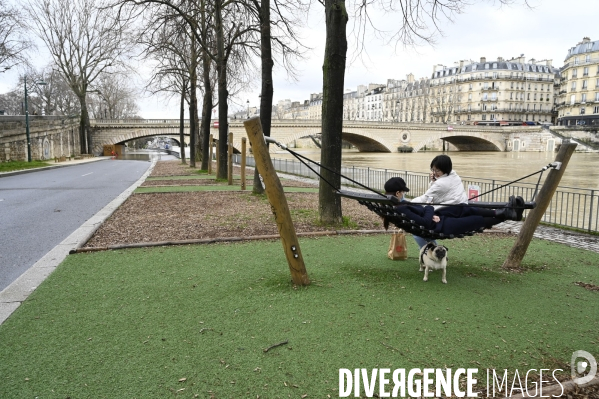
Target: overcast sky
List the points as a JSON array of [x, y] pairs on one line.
[[486, 29]]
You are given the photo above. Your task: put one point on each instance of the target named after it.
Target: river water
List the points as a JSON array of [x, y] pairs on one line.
[[582, 170]]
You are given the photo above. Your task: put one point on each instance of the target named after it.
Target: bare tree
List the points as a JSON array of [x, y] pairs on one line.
[[13, 38], [418, 23], [85, 38], [114, 99]]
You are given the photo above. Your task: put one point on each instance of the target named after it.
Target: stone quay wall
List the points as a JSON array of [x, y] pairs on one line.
[[51, 137]]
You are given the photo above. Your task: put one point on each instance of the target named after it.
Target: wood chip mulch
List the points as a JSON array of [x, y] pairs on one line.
[[159, 217]]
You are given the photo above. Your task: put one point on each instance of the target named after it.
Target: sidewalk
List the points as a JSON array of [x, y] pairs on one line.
[[570, 238], [55, 165]]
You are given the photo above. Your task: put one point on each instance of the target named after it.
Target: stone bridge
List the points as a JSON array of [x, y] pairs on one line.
[[365, 136]]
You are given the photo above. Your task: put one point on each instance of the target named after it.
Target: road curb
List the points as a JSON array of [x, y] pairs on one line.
[[13, 295]]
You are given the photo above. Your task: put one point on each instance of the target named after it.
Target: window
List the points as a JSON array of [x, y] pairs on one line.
[[576, 61], [582, 111], [573, 86], [493, 96], [469, 96], [494, 67], [597, 83], [596, 110], [528, 97], [572, 99], [535, 97], [511, 96], [484, 117], [587, 58], [486, 66], [596, 97], [585, 71], [512, 85], [584, 85], [470, 85], [485, 86], [484, 107], [584, 98], [495, 73], [574, 73]]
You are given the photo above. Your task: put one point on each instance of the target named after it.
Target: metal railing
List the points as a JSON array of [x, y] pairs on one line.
[[572, 207]]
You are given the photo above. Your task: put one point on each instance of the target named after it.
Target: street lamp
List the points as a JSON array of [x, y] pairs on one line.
[[27, 117], [248, 102]]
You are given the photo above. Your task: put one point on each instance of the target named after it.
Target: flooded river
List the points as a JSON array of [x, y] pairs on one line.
[[581, 172]]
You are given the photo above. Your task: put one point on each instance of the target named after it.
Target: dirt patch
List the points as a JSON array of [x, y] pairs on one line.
[[199, 215]]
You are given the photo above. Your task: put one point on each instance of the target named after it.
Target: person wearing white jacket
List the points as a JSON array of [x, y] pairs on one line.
[[445, 188]]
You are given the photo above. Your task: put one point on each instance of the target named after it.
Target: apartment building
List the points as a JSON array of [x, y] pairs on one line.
[[496, 92], [578, 97]]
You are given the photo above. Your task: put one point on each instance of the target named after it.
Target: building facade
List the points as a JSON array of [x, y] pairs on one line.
[[578, 97], [494, 92]]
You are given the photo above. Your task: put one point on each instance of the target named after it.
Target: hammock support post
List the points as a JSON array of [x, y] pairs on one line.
[[243, 151], [278, 202], [230, 159], [543, 199]]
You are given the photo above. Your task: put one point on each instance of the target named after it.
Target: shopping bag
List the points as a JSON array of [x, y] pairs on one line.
[[398, 248]]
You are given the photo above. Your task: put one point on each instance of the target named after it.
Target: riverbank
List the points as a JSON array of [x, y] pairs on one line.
[[224, 321]]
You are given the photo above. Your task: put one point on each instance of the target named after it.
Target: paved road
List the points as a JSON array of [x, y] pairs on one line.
[[38, 210]]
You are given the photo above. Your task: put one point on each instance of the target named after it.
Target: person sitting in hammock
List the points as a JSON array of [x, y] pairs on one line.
[[454, 220]]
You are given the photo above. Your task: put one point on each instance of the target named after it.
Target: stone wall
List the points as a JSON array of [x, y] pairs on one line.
[[51, 136]]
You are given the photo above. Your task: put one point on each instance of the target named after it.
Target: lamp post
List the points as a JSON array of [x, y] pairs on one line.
[[248, 103], [27, 118]]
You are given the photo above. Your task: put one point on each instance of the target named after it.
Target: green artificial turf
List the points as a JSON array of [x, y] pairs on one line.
[[189, 177], [219, 187], [193, 321], [11, 166]]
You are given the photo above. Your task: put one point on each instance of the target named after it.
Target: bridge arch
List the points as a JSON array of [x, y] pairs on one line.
[[464, 141], [363, 141]]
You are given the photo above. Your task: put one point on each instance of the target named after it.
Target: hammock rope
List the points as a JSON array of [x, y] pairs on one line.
[[384, 205]]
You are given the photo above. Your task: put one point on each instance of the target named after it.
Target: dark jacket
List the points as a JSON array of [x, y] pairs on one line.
[[454, 219]]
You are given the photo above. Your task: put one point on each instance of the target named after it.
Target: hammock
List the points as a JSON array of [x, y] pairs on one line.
[[384, 205]]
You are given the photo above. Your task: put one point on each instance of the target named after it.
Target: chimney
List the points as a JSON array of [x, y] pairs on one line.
[[548, 62], [586, 39], [461, 64], [483, 60], [500, 59], [532, 60], [410, 77]]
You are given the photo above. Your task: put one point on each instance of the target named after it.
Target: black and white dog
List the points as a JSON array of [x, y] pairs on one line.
[[433, 257]]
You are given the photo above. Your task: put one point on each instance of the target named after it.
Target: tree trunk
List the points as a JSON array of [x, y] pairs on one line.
[[223, 93], [84, 126], [329, 204], [267, 84], [182, 124], [193, 103], [207, 100]]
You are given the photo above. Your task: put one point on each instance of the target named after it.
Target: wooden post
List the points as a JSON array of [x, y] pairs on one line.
[[543, 199], [278, 202], [217, 158], [210, 149], [243, 150], [230, 159]]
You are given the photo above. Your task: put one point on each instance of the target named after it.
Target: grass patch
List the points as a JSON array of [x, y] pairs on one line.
[[219, 187], [195, 320], [189, 177], [11, 166]]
